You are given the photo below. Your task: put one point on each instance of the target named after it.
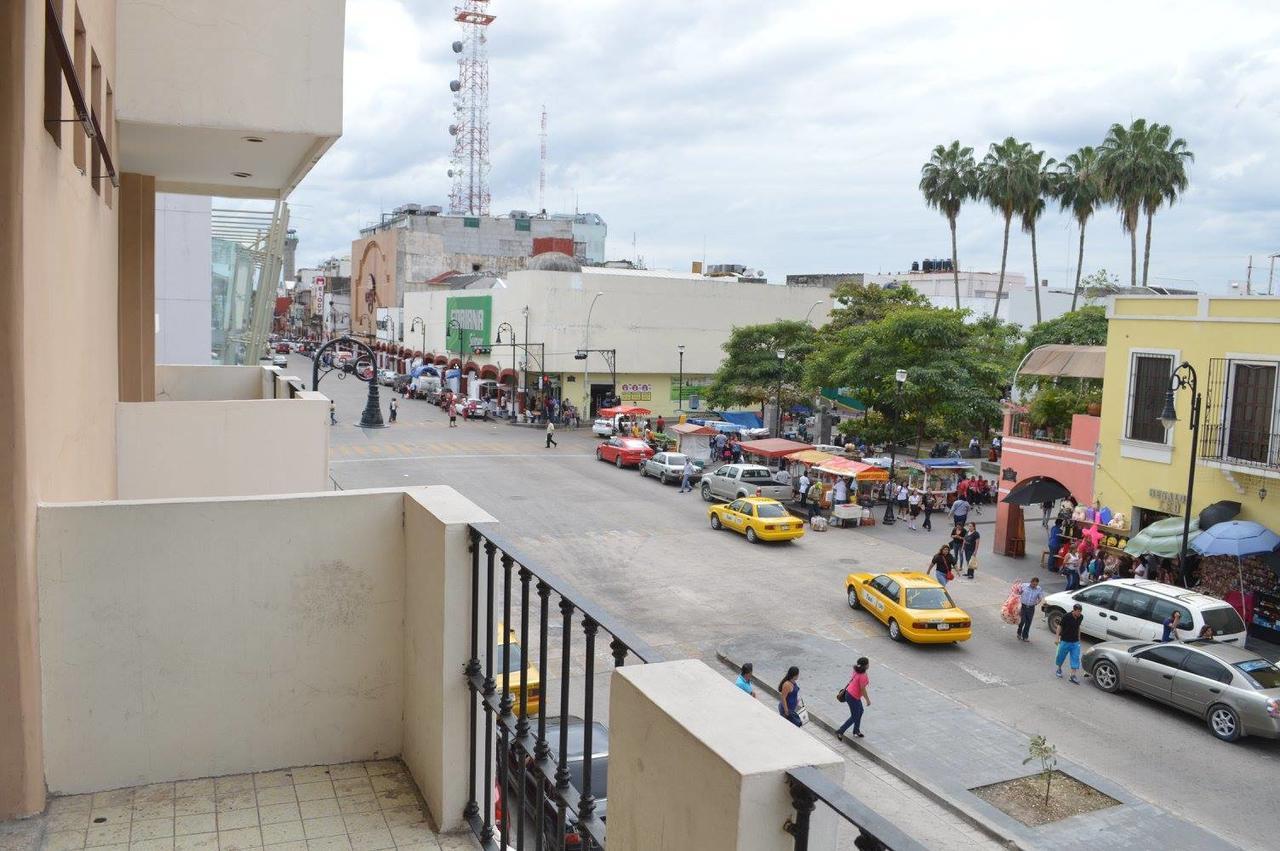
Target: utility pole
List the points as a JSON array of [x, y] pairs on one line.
[[1271, 276], [1248, 278], [542, 165]]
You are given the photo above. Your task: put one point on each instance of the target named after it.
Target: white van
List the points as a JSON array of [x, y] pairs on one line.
[[1136, 609]]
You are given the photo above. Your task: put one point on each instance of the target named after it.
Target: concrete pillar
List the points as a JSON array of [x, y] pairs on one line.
[[696, 763], [137, 288], [437, 627]]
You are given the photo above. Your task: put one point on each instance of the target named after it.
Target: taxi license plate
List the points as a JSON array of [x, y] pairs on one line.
[[944, 626]]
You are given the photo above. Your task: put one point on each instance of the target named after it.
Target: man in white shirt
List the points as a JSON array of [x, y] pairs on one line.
[[804, 488], [841, 492], [782, 477]]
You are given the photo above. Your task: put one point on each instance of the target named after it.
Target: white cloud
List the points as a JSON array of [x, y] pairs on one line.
[[790, 136]]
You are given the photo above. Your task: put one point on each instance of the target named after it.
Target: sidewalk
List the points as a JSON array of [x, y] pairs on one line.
[[943, 749]]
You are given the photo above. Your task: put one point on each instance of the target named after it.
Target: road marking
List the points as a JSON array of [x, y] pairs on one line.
[[448, 457], [982, 676]]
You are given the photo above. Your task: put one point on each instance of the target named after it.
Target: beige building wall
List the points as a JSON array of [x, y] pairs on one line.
[[57, 284], [228, 448], [185, 383], [190, 638]]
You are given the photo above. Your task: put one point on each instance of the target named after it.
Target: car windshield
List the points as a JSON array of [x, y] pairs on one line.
[[1224, 620], [928, 598], [758, 475], [770, 510], [631, 444], [517, 660], [676, 460], [1260, 672]]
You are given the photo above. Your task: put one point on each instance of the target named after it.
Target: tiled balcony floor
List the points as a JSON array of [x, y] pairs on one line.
[[359, 806]]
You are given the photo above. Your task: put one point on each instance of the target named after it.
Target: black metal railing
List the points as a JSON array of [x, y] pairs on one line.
[[543, 785], [1239, 426], [875, 833]]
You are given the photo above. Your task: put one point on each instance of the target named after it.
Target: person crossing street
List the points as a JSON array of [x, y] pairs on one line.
[[1032, 595], [551, 434], [685, 474], [394, 407]]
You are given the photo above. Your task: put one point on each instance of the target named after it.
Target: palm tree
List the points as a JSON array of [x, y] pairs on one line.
[[1041, 186], [1167, 159], [1126, 167], [1080, 189], [947, 180], [1003, 182]]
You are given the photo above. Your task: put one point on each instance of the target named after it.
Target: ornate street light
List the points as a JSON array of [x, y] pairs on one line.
[[782, 357], [1184, 376], [680, 391], [899, 379]]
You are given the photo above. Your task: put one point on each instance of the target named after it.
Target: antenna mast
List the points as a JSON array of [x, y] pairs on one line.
[[470, 127], [542, 164]]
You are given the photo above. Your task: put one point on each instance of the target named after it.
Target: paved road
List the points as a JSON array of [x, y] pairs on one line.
[[645, 553]]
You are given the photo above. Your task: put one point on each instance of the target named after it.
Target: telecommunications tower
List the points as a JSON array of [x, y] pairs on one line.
[[470, 127]]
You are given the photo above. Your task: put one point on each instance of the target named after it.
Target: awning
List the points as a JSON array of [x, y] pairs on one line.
[[1162, 538], [773, 447], [810, 456], [628, 410], [932, 464], [692, 430], [1065, 361], [858, 470], [834, 394], [746, 419]]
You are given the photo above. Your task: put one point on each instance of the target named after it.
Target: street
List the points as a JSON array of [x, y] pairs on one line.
[[646, 554]]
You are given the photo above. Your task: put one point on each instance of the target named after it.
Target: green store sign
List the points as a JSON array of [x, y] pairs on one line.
[[694, 385], [467, 321]]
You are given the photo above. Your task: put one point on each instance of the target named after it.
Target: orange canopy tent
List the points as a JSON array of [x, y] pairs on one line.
[[856, 469], [772, 447]]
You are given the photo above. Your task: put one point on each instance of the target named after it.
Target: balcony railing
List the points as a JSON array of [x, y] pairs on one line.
[[1240, 447], [1239, 428], [875, 833], [537, 779]]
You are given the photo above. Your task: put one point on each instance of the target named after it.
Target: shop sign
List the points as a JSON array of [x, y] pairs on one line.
[[1009, 474], [635, 392], [467, 320], [1169, 501], [692, 384]]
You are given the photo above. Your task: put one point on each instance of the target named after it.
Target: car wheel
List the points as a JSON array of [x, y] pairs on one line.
[[706, 492], [715, 522], [1055, 620], [1224, 722], [599, 455], [751, 535], [662, 477], [617, 461], [854, 602], [895, 631], [1106, 676], [640, 467]]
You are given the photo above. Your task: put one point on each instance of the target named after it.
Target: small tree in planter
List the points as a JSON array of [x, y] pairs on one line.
[[1040, 749]]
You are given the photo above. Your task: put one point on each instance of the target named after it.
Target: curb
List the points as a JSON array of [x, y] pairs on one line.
[[924, 787]]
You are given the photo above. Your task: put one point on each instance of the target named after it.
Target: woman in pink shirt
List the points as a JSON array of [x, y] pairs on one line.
[[855, 693]]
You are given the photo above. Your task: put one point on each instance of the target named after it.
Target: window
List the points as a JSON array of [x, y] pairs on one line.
[[1099, 595], [470, 222], [1260, 672], [1132, 603], [1164, 608], [53, 75], [880, 583], [1202, 666], [1251, 411], [80, 55], [1149, 381], [1165, 654], [1223, 620], [892, 589], [736, 505], [770, 511], [95, 109], [928, 598], [523, 224]]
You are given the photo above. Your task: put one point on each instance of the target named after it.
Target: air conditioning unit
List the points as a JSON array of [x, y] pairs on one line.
[[432, 210], [413, 208]]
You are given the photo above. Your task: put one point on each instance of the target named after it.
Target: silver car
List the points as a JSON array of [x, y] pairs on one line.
[[1235, 691], [669, 467]]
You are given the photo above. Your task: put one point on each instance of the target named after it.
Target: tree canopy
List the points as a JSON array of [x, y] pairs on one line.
[[858, 304], [1084, 327], [751, 369]]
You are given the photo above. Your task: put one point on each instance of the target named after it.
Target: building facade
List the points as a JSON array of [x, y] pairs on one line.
[[184, 265]]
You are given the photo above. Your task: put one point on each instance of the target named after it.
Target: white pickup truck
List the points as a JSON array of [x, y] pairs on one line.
[[734, 481]]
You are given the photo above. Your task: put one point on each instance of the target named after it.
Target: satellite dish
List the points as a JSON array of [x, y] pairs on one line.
[[457, 47], [451, 172], [453, 130], [455, 86]]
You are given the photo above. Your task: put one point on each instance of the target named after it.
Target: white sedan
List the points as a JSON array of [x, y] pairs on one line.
[[280, 360]]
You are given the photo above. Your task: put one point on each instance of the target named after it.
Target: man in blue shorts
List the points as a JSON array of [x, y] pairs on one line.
[[1069, 642]]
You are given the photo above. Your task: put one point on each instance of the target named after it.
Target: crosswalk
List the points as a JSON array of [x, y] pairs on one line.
[[353, 451]]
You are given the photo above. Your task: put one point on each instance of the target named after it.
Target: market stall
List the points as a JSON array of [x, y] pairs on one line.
[[771, 450], [936, 476], [693, 440], [863, 480]]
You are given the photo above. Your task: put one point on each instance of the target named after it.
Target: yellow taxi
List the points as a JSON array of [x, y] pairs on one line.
[[914, 606], [757, 517], [532, 680]]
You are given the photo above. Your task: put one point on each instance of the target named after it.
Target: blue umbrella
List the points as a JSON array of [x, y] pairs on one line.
[[1237, 538]]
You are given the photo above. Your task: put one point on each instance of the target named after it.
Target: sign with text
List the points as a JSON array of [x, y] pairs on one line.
[[635, 392], [691, 387], [467, 321]]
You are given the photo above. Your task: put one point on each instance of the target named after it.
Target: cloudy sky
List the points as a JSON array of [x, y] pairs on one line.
[[789, 136]]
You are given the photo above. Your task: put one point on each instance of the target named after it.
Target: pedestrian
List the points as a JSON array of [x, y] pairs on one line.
[[783, 476], [816, 490], [928, 504], [1072, 571], [1069, 641], [942, 564], [1096, 568], [840, 493], [803, 489], [744, 679], [551, 434], [789, 704], [395, 406], [1140, 567], [971, 550], [1031, 596], [686, 474], [855, 693], [960, 511], [903, 494], [1171, 626], [333, 414], [453, 416], [957, 542], [1207, 633], [1046, 510], [913, 503], [1055, 543], [662, 424]]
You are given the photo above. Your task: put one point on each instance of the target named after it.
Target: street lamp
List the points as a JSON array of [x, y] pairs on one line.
[[511, 332], [418, 320], [782, 356], [453, 326], [680, 391], [586, 362], [816, 304], [1184, 376], [899, 378]]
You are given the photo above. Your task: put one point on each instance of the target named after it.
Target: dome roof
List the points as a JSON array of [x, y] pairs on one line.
[[554, 261]]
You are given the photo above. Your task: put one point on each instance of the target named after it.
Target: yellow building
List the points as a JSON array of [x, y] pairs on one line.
[[1233, 344]]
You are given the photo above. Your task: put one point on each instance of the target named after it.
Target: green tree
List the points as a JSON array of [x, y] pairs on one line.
[[1080, 189], [1168, 158], [1084, 327], [947, 180], [751, 370], [1004, 181], [858, 303], [1042, 179]]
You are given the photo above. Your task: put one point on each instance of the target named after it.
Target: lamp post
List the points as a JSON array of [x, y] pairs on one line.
[[680, 391], [511, 332], [777, 431], [1184, 376], [586, 362], [899, 378], [418, 320], [816, 304]]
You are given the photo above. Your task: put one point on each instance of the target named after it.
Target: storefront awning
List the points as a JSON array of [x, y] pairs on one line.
[[691, 430], [773, 447], [857, 469], [810, 456], [1065, 361]]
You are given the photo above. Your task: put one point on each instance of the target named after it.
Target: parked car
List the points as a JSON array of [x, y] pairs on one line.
[[669, 467], [1235, 691], [624, 451], [914, 606], [759, 518], [1135, 609], [539, 794], [279, 360], [516, 664], [400, 382], [734, 481], [387, 377], [474, 409]]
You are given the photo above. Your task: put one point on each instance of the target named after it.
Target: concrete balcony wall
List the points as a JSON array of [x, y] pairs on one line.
[[186, 383]]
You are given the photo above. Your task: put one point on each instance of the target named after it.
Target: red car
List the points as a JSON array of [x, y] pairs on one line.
[[624, 451]]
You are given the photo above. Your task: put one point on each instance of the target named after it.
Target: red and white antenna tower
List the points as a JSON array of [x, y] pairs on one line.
[[470, 127], [542, 164]]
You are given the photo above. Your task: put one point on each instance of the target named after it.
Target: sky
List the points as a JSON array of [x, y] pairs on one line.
[[789, 137]]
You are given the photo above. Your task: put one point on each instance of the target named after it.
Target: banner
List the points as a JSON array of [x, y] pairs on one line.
[[635, 392], [467, 320], [694, 385]]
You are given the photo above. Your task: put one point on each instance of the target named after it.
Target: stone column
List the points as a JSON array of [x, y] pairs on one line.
[[137, 288]]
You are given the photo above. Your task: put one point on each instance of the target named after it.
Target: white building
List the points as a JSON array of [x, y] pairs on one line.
[[184, 258], [978, 293]]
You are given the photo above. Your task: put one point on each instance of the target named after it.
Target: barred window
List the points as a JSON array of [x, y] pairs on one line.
[[1252, 408], [1149, 381]]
